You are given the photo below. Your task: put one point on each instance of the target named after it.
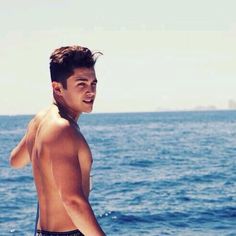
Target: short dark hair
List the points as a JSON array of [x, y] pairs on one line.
[[65, 59]]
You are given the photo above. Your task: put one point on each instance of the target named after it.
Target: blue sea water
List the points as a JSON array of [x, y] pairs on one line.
[[168, 173]]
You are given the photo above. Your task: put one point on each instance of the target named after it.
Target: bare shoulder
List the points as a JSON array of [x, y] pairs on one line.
[[56, 134], [36, 120], [64, 135], [34, 124], [60, 129]]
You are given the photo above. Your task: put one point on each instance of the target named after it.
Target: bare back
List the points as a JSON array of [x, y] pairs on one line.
[[44, 150]]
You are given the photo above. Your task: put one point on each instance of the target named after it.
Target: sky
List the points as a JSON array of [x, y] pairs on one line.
[[158, 54]]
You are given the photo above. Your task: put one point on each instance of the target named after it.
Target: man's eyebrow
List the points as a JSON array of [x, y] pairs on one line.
[[81, 78], [84, 79]]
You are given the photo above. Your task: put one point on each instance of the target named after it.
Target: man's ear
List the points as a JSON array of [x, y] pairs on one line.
[[57, 88]]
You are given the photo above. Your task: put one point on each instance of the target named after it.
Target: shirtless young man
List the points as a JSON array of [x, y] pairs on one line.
[[60, 156]]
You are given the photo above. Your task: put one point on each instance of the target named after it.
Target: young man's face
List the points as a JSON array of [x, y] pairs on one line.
[[81, 90]]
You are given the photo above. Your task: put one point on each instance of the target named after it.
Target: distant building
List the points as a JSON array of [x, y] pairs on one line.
[[205, 108], [232, 104]]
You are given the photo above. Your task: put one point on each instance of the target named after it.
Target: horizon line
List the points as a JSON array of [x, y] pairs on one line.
[[125, 112]]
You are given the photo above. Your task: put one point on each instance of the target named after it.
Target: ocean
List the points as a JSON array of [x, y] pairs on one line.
[[159, 173]]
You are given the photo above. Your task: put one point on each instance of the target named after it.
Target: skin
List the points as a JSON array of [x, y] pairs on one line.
[[61, 158]]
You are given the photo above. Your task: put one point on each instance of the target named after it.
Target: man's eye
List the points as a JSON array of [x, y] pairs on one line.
[[81, 84], [94, 84]]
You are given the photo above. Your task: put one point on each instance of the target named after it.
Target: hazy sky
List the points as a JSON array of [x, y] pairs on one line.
[[158, 54]]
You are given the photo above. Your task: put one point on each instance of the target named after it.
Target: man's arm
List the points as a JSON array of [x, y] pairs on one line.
[[67, 175], [20, 156]]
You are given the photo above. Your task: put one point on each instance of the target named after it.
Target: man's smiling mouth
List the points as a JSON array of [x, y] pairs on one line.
[[88, 101]]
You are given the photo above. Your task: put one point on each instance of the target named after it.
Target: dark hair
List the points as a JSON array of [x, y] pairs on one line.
[[65, 59]]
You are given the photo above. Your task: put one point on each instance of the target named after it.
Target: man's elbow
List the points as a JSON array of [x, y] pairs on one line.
[[14, 163], [75, 202]]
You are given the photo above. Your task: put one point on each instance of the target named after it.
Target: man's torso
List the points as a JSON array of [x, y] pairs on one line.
[[53, 216]]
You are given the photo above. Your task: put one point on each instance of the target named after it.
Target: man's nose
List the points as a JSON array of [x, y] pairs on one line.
[[91, 90]]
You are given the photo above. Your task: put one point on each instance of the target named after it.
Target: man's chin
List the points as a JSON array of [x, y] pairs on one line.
[[88, 110]]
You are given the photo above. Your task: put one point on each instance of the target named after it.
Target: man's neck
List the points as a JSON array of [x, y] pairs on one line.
[[65, 111]]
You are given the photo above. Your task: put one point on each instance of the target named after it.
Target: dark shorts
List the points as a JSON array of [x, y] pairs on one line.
[[68, 233]]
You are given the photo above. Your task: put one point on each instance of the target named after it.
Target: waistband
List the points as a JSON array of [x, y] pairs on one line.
[[67, 233]]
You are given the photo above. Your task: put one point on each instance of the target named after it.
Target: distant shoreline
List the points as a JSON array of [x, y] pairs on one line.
[[130, 112]]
